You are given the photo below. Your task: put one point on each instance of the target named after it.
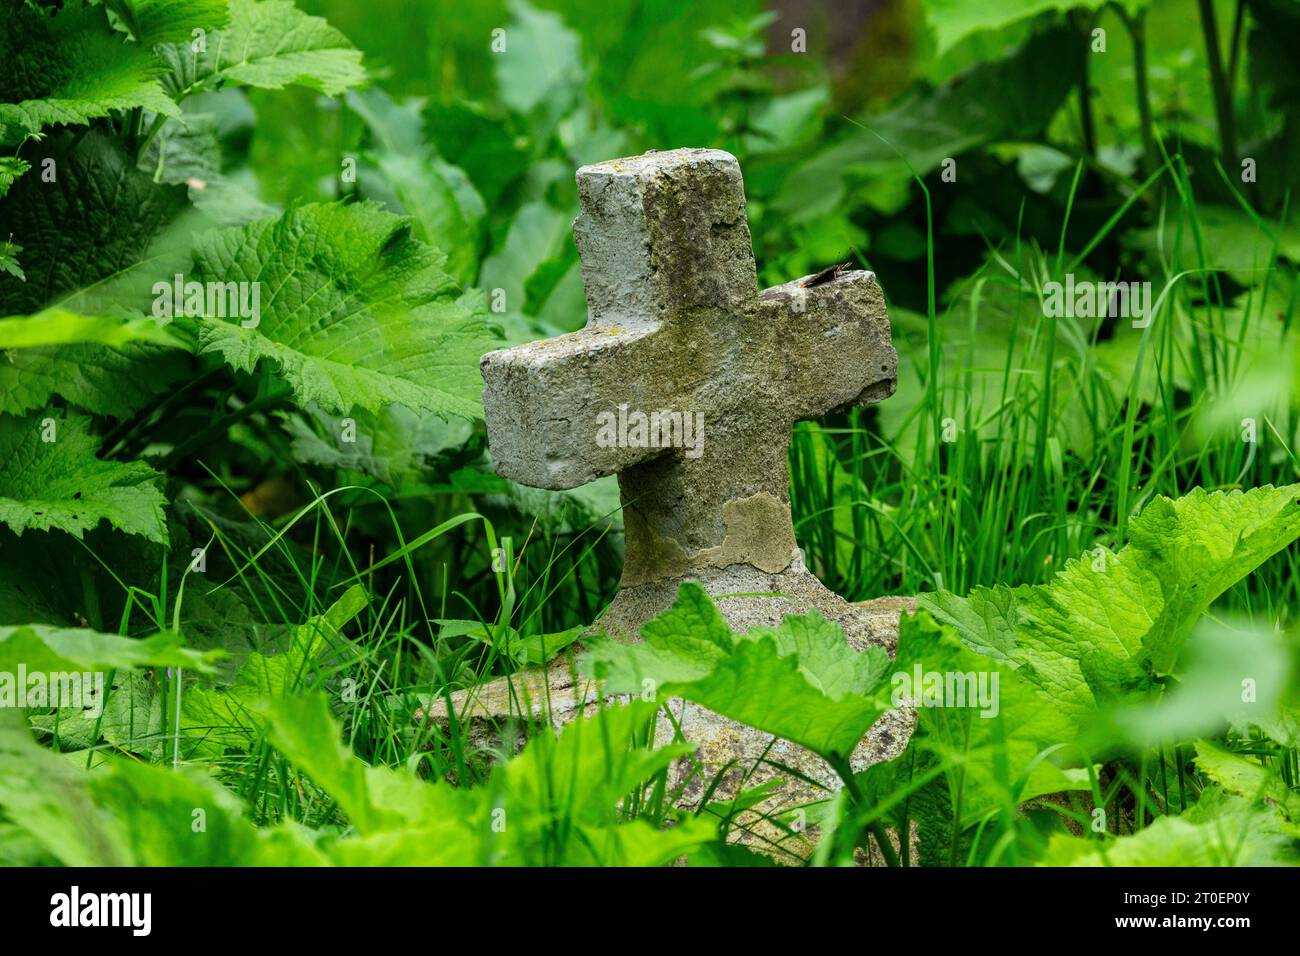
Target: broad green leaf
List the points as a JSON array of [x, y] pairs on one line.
[[56, 326], [354, 312], [1133, 607], [800, 681], [1220, 660], [540, 61], [1246, 777], [1012, 98], [176, 21], [269, 44], [50, 649], [129, 813], [50, 478], [446, 210], [397, 446], [995, 757], [1221, 830], [954, 20], [112, 242], [70, 69], [538, 233]]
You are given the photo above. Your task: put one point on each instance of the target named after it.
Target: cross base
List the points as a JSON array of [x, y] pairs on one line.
[[560, 693], [748, 597]]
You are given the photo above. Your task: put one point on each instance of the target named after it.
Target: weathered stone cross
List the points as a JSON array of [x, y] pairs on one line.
[[677, 337], [677, 328], [686, 383]]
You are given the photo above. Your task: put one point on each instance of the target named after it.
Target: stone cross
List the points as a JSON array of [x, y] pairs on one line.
[[686, 383]]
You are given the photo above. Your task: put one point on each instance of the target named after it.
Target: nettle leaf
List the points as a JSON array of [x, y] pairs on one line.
[[397, 446], [61, 484], [800, 681], [95, 240], [270, 45], [354, 312], [71, 68], [561, 796], [990, 754], [1111, 612]]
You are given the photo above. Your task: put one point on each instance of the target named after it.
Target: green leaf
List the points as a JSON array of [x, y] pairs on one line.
[[800, 681], [50, 649], [355, 313], [110, 244], [560, 798], [540, 61], [11, 167], [1137, 605], [1246, 777], [446, 210], [175, 21], [1221, 830], [270, 45], [130, 813], [954, 20], [397, 446], [50, 478], [57, 326], [1013, 98], [216, 719], [70, 69], [991, 758]]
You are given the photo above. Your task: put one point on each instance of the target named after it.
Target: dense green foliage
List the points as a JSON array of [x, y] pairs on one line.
[[280, 536]]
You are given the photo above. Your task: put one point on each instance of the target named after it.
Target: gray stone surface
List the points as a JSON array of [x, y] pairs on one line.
[[676, 324]]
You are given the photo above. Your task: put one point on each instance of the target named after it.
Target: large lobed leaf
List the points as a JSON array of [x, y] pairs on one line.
[[61, 484], [354, 312], [1104, 619], [800, 681], [558, 800]]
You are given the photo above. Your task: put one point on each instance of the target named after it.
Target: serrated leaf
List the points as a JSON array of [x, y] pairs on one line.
[[11, 167], [800, 681], [397, 446], [61, 484], [355, 313], [95, 241], [71, 68], [1138, 604], [270, 45]]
